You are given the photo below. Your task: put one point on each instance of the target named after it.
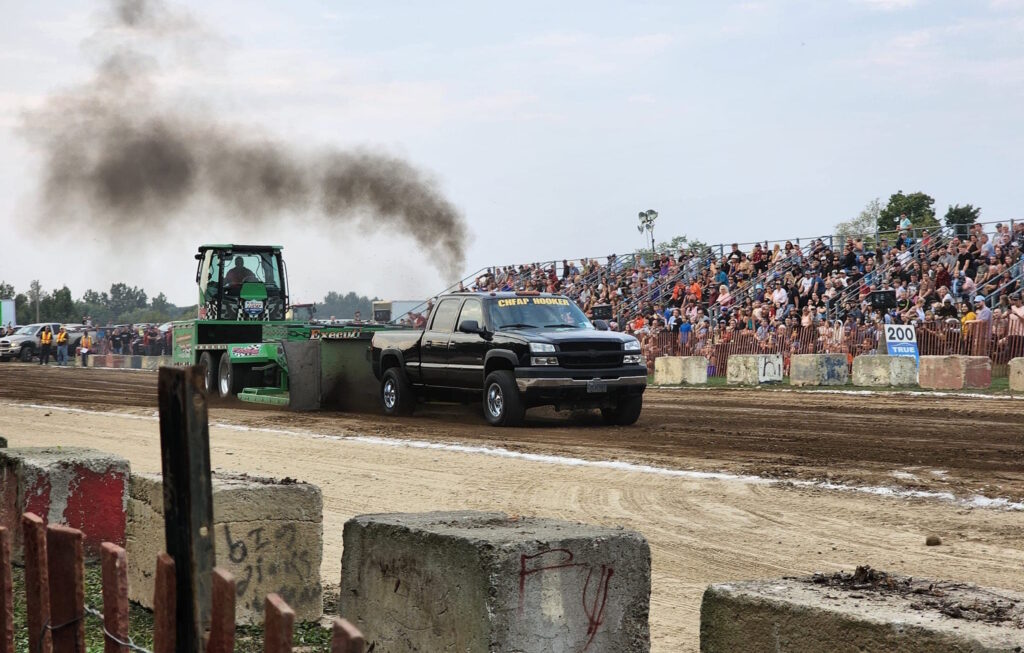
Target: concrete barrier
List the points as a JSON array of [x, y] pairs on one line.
[[675, 370], [486, 582], [955, 372], [754, 369], [875, 371], [268, 534], [1017, 375], [81, 488], [118, 361], [818, 369], [840, 615]]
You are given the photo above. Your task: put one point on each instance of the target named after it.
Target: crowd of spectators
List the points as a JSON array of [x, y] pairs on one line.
[[792, 297]]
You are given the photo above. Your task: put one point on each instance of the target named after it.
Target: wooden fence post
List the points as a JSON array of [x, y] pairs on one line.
[[346, 638], [163, 605], [37, 584], [67, 588], [278, 624], [115, 596], [188, 500], [222, 613], [6, 594]]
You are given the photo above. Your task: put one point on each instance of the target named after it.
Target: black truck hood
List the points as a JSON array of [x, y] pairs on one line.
[[555, 336]]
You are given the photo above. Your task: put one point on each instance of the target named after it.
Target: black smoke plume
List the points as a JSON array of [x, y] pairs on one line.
[[117, 152]]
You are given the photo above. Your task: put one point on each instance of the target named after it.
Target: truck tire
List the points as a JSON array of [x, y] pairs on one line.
[[625, 413], [207, 364], [229, 378], [26, 354], [502, 404], [396, 395]]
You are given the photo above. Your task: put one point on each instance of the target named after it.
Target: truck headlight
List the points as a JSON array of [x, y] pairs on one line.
[[544, 360], [541, 348], [631, 345], [633, 359]]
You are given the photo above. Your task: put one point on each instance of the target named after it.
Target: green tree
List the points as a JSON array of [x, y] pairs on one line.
[[682, 243], [23, 308], [865, 223], [960, 217], [124, 299], [58, 306], [344, 306], [160, 304], [918, 206], [6, 290]]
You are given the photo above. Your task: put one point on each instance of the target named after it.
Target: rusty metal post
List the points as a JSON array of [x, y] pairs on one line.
[[188, 500]]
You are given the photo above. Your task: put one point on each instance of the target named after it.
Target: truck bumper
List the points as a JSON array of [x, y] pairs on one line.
[[631, 379]]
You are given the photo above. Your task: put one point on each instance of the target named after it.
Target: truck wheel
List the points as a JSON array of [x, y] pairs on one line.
[[26, 354], [625, 412], [206, 363], [229, 378], [502, 404], [396, 395]]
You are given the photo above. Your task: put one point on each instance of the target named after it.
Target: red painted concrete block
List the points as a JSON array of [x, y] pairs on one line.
[[81, 488], [954, 372], [977, 371]]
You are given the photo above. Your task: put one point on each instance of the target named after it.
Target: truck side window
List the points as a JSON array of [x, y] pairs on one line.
[[444, 315], [472, 310]]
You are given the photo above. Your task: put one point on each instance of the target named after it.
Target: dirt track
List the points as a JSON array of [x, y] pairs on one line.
[[701, 531], [976, 445]]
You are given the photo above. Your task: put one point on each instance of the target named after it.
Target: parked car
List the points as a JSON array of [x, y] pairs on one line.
[[24, 344]]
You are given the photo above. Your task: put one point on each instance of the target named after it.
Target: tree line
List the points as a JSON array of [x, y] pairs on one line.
[[125, 304], [918, 207]]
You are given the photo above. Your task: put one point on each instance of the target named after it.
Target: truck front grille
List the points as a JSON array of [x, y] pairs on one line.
[[589, 355]]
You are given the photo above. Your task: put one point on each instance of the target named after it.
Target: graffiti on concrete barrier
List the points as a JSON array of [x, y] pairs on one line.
[[594, 595], [287, 572], [769, 368]]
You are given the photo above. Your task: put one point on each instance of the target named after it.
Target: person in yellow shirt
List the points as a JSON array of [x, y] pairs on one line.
[[85, 347], [968, 316], [45, 342]]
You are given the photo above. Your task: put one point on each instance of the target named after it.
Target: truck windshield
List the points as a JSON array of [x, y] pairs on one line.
[[536, 312], [26, 331]]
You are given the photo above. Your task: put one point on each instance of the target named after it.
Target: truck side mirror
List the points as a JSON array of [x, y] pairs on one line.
[[600, 325], [469, 326]]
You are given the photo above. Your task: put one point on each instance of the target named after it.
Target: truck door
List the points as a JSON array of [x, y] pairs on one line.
[[466, 351], [434, 352]]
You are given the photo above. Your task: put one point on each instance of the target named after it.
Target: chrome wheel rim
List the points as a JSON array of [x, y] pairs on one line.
[[390, 394], [495, 401], [225, 384]]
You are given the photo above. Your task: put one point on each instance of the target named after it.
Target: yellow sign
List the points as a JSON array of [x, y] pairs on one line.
[[536, 301]]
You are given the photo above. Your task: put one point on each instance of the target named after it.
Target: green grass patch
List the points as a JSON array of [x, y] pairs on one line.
[[309, 638]]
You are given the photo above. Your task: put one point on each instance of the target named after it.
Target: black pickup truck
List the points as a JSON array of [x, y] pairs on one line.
[[515, 351]]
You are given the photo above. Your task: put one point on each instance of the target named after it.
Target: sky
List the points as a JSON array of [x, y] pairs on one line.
[[549, 125]]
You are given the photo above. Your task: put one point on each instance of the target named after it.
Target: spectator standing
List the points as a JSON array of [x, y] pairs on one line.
[[85, 346], [983, 312], [45, 342], [62, 347]]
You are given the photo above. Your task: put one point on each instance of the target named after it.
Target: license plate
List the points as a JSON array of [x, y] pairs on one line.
[[597, 385]]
